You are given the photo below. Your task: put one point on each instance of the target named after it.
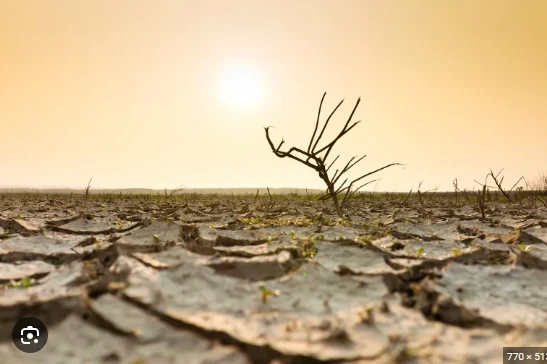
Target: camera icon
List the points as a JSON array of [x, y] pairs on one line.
[[29, 333]]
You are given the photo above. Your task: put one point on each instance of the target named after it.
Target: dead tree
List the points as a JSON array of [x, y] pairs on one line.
[[316, 157]]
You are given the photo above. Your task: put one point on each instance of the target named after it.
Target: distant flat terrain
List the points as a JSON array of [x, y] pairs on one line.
[[146, 191]]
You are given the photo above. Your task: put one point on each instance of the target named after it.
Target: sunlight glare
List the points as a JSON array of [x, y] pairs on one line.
[[241, 87]]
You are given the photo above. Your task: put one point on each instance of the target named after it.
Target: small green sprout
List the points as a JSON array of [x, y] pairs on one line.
[[156, 238], [367, 239], [98, 243], [138, 361], [456, 251], [411, 352], [366, 313], [309, 250], [525, 248], [342, 222], [265, 293], [218, 226], [23, 283]]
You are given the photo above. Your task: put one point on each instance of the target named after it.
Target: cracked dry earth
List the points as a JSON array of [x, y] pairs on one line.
[[234, 280]]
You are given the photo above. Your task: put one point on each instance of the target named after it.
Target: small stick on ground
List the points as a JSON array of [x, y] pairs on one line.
[[256, 196], [481, 201], [481, 194], [420, 194], [271, 203], [464, 191], [434, 191], [499, 183], [87, 189], [516, 183], [455, 183], [407, 196]]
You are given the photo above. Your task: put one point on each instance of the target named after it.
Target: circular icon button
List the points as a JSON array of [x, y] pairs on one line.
[[29, 335]]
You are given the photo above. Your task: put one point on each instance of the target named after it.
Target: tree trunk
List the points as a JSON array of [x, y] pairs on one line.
[[336, 203]]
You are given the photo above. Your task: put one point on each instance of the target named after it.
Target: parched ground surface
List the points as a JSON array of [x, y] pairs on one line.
[[244, 280]]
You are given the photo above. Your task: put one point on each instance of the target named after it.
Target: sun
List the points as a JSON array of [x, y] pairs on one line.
[[241, 87]]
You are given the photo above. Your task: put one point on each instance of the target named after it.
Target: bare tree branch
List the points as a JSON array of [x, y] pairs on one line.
[[499, 183], [317, 122], [335, 159], [325, 126], [516, 183], [350, 192]]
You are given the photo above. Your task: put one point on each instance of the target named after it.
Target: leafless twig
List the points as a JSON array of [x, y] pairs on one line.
[[87, 189], [481, 196], [407, 196]]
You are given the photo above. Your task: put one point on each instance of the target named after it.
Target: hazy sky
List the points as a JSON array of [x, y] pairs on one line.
[[175, 93]]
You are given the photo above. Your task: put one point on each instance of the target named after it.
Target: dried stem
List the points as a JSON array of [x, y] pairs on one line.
[[87, 189]]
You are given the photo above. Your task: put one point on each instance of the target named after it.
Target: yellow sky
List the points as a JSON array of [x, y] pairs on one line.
[[127, 92]]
